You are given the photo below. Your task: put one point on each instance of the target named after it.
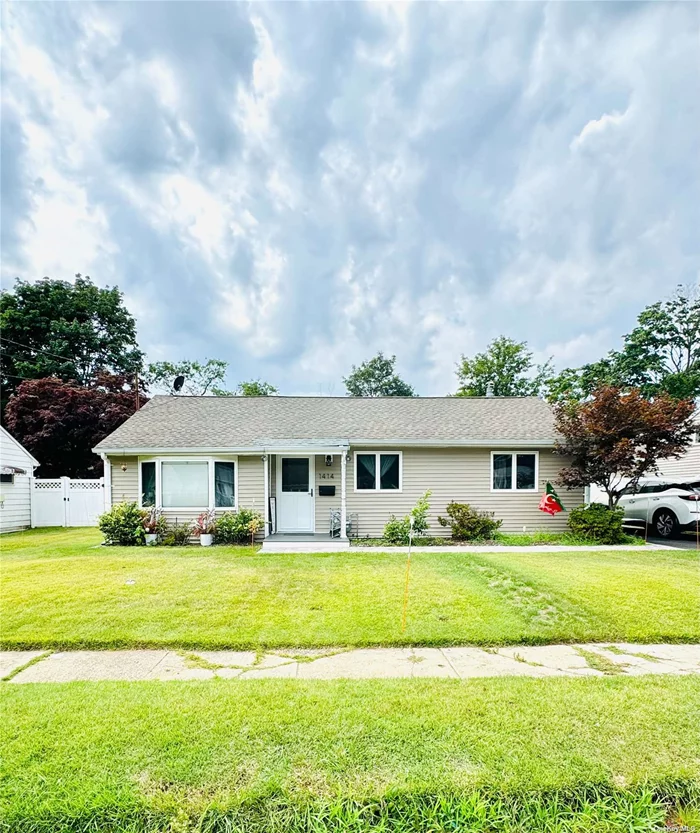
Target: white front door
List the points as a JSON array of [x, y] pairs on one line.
[[295, 494]]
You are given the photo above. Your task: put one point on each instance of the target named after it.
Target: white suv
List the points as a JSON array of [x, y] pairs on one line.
[[666, 505]]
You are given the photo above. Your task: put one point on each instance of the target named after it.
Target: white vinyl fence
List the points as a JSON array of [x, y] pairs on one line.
[[65, 502]]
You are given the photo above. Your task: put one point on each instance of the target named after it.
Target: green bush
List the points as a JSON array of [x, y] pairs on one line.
[[123, 525], [468, 523], [238, 527], [597, 523], [178, 535], [398, 530]]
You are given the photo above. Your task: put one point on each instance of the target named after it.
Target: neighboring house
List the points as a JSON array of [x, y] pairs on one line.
[[684, 469], [16, 468], [295, 459], [687, 467]]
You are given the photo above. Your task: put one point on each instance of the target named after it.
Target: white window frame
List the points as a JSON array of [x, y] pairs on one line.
[[514, 472], [210, 475], [378, 487]]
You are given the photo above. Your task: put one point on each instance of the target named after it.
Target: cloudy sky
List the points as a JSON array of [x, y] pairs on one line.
[[292, 187]]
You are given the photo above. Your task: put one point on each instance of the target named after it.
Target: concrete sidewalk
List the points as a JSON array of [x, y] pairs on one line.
[[594, 660], [290, 548]]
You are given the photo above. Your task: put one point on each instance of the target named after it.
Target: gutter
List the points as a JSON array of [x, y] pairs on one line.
[[326, 448]]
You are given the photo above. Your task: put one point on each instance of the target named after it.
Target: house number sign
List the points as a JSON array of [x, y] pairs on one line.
[[326, 475]]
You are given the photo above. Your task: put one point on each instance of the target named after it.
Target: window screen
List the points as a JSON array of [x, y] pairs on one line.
[[366, 471], [148, 484], [295, 474], [389, 471], [185, 484], [224, 484], [525, 476], [502, 471]]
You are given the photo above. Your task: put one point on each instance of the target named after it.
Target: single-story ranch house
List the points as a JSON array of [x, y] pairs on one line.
[[301, 461]]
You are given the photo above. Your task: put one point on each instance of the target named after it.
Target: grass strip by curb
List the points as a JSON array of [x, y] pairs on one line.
[[28, 664], [346, 755], [591, 807]]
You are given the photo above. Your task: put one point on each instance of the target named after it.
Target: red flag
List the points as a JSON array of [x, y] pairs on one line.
[[550, 502]]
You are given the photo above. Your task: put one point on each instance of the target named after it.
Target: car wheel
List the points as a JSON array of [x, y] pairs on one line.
[[665, 524]]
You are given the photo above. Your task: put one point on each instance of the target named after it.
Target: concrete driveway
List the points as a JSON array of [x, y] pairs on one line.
[[686, 542]]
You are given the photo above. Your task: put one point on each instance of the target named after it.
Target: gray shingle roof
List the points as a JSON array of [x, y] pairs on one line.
[[219, 423]]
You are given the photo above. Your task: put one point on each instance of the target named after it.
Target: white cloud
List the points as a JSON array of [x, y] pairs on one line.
[[295, 188]]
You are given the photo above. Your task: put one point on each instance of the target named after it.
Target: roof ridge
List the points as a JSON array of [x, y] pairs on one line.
[[278, 397]]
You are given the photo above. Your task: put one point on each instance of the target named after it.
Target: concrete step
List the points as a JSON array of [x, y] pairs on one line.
[[327, 545]]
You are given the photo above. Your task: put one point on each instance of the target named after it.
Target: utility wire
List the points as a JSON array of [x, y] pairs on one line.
[[12, 376], [37, 350]]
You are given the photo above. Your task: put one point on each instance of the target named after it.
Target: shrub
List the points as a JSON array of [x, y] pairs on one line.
[[468, 523], [123, 525], [178, 535], [238, 527], [598, 523], [398, 530]]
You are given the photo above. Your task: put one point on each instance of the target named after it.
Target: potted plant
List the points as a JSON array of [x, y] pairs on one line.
[[154, 526], [205, 527]]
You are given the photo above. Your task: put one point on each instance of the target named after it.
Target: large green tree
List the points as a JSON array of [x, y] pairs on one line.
[[660, 355], [377, 377], [71, 331], [256, 387], [207, 378], [505, 368], [201, 378]]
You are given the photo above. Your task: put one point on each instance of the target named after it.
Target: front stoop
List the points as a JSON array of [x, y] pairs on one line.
[[281, 542]]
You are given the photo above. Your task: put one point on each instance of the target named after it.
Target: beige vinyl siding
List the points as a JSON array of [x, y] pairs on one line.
[[688, 467], [326, 476], [251, 483], [462, 475], [459, 474], [125, 484]]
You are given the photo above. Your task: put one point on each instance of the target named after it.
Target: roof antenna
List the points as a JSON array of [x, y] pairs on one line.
[[178, 383]]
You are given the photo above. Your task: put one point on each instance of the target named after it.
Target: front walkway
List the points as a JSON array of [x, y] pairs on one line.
[[594, 660]]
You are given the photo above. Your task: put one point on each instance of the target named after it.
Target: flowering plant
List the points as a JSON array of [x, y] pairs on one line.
[[154, 522], [205, 523]]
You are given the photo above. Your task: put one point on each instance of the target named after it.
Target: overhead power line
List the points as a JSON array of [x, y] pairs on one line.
[[37, 349]]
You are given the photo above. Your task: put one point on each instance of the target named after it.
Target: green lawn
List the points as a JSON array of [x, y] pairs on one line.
[[103, 756], [60, 589]]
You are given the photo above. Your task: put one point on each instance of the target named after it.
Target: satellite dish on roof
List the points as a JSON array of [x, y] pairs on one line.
[[178, 383]]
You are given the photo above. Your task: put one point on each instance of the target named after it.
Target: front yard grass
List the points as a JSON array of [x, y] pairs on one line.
[[393, 755], [60, 589]]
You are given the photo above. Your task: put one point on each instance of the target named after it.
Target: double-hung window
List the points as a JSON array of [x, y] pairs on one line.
[[378, 472], [188, 484], [514, 471]]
